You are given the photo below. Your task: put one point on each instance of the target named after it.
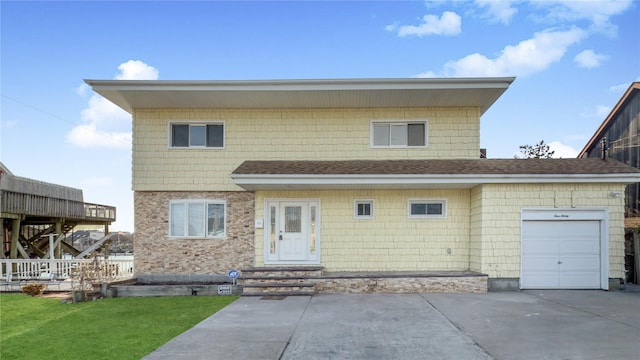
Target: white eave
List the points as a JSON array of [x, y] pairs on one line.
[[293, 182], [314, 93]]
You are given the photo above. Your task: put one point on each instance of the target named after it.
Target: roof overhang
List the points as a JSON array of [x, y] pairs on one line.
[[254, 182], [435, 173], [313, 93]]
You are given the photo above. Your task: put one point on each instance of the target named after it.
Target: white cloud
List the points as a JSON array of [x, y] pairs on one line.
[[621, 88], [449, 23], [597, 12], [527, 57], [136, 70], [589, 59], [104, 124], [563, 151], [500, 11], [82, 89]]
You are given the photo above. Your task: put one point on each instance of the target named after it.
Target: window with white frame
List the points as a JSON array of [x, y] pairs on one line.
[[398, 134], [427, 208], [363, 209], [197, 135], [197, 218]]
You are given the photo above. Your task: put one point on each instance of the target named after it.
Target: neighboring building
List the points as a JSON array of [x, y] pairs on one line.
[[621, 133], [621, 129], [360, 181]]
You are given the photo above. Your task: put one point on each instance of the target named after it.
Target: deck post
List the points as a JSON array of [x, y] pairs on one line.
[[58, 250], [13, 252], [51, 253], [15, 234]]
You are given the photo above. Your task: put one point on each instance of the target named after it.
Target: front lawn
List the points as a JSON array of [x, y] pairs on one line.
[[118, 328]]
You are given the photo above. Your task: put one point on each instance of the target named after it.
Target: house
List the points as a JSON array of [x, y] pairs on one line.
[[358, 185], [619, 136]]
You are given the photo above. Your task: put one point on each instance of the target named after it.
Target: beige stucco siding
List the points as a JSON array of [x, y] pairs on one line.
[[265, 134], [496, 221], [391, 241]]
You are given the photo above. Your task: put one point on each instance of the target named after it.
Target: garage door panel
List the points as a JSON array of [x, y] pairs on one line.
[[535, 245], [540, 263], [560, 254], [580, 262], [588, 243], [541, 280], [580, 280]]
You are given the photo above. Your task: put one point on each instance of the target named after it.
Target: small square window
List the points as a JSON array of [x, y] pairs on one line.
[[427, 208], [363, 209]]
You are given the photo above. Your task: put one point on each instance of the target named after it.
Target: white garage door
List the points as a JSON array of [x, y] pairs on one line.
[[560, 255]]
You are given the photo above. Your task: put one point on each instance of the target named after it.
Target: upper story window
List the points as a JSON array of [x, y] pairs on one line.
[[197, 218], [203, 135], [399, 134]]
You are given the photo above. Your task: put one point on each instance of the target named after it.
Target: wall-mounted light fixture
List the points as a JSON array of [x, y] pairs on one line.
[[615, 194]]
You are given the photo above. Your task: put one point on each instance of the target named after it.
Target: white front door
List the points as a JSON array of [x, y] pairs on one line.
[[291, 231], [292, 235]]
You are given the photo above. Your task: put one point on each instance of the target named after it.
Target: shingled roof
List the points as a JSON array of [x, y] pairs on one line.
[[423, 173], [439, 167]]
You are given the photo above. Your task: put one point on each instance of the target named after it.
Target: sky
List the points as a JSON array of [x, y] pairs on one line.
[[572, 61]]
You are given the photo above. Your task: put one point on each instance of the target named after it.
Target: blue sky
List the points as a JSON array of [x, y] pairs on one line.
[[572, 59]]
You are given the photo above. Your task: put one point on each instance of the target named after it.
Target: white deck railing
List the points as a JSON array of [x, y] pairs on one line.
[[62, 269]]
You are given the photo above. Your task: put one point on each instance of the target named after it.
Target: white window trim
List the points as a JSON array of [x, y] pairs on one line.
[[445, 208], [197, 122], [198, 201], [364, 201], [404, 121]]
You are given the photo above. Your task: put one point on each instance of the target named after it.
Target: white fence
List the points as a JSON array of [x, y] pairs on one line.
[[62, 269]]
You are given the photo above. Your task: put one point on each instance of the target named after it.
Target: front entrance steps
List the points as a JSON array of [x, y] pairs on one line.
[[309, 280], [279, 281]]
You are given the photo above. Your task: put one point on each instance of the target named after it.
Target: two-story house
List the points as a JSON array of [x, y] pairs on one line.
[[358, 185]]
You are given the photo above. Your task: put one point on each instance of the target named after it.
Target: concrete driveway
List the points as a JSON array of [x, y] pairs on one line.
[[501, 325]]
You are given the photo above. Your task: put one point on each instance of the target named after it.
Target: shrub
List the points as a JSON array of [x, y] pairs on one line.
[[34, 289]]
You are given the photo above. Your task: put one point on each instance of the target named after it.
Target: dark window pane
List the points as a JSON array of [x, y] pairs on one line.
[[416, 135], [434, 209], [215, 136], [197, 135], [418, 209], [364, 209], [179, 135]]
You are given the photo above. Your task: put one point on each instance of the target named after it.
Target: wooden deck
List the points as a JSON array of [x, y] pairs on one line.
[[33, 212]]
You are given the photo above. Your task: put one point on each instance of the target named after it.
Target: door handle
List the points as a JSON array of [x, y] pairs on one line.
[[559, 262]]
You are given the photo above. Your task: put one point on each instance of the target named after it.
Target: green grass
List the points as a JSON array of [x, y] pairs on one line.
[[118, 328]]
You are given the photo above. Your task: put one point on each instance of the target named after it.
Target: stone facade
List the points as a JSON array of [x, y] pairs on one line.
[[157, 254], [465, 284]]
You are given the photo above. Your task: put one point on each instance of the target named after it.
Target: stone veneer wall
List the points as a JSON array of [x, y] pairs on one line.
[[464, 284], [159, 256]]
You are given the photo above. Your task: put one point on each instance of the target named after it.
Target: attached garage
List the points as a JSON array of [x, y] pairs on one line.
[[564, 249]]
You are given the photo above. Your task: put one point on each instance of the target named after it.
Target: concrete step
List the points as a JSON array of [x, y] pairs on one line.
[[281, 271], [275, 279], [277, 294], [253, 289]]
